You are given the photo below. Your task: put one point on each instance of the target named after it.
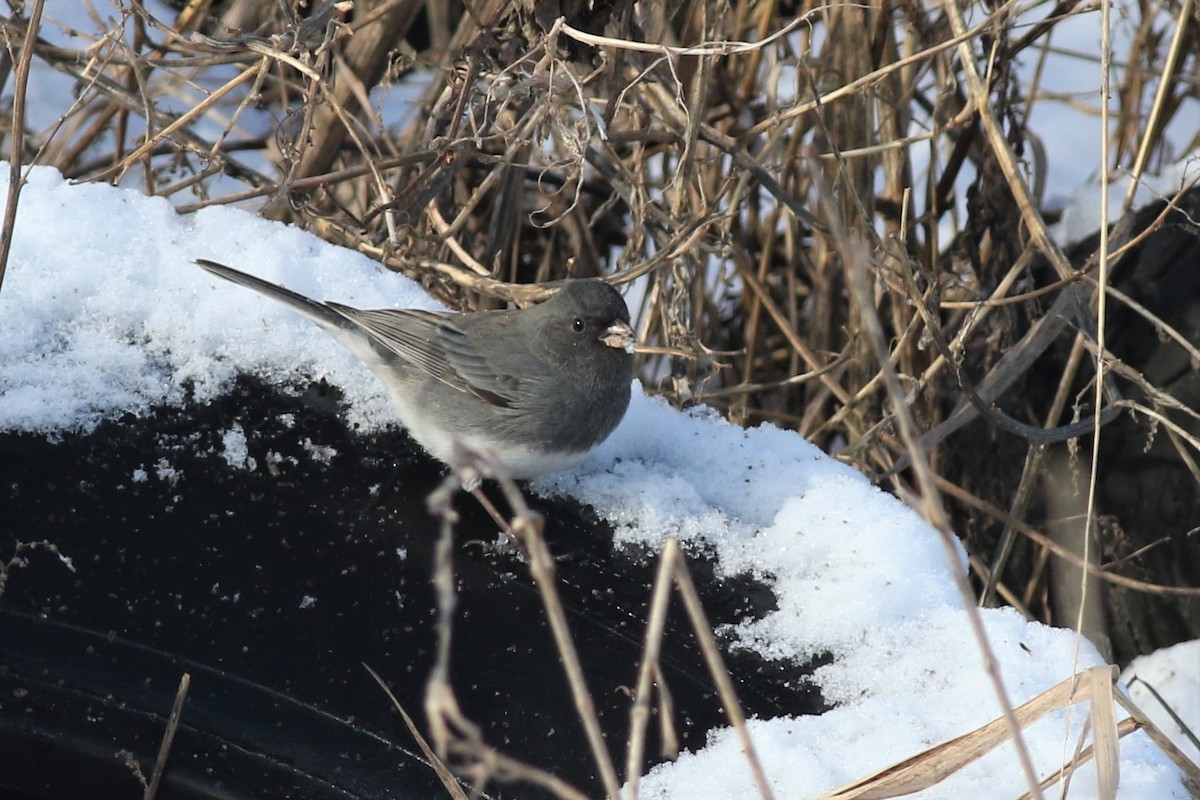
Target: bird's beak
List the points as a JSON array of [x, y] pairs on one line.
[[620, 336]]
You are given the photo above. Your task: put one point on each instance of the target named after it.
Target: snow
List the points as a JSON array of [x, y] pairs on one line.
[[1173, 674], [103, 309], [102, 314], [237, 453], [1083, 208]]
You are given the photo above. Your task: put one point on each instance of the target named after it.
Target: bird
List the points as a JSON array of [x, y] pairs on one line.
[[534, 389]]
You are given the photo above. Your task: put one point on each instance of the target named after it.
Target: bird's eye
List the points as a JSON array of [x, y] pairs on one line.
[[578, 325]]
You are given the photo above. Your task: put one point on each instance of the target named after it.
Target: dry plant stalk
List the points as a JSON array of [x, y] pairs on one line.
[[673, 571], [164, 750], [449, 782], [936, 764], [454, 735]]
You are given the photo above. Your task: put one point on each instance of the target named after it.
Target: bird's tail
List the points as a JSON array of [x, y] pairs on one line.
[[318, 312]]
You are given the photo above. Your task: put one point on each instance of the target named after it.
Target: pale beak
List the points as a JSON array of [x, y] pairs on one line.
[[620, 336]]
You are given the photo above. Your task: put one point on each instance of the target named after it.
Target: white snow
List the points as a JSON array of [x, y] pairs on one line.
[[1174, 675], [102, 313], [237, 452]]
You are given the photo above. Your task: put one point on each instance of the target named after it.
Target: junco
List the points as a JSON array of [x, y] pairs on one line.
[[537, 388]]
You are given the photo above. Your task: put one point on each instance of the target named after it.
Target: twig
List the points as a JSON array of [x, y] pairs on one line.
[[164, 749], [1151, 133], [715, 663], [181, 122], [1054, 547], [528, 528], [15, 179], [449, 782], [450, 729]]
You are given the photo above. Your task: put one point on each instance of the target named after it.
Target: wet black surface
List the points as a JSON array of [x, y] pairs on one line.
[[273, 586]]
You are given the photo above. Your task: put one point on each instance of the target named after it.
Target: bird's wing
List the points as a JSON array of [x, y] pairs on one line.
[[432, 342]]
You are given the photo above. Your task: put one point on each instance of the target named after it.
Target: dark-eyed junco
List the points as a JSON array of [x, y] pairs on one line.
[[537, 388]]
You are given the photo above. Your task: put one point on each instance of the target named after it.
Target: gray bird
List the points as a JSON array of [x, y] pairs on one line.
[[537, 388]]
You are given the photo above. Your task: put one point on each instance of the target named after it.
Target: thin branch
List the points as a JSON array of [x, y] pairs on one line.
[[15, 179]]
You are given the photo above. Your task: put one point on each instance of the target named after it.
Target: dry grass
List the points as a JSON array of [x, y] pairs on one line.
[[1094, 686]]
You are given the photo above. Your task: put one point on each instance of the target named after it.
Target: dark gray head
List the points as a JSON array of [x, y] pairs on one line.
[[585, 327]]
